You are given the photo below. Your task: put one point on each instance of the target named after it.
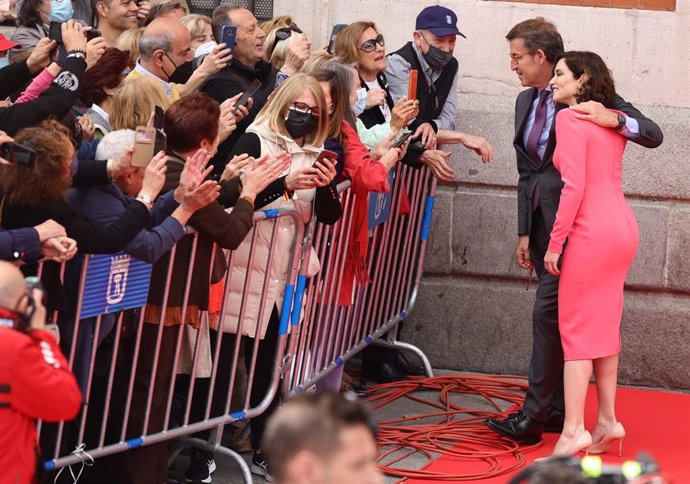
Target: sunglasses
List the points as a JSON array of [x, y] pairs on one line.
[[370, 45], [282, 34]]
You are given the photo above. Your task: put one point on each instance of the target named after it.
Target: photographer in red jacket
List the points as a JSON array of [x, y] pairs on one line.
[[35, 380]]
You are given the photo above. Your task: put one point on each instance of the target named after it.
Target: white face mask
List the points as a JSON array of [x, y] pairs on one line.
[[4, 61], [205, 49], [361, 103]]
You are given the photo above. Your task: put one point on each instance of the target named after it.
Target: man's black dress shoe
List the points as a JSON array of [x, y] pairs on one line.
[[406, 367], [554, 421], [384, 373], [518, 427]]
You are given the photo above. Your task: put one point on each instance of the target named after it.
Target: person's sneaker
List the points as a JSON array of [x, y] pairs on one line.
[[201, 466], [259, 466]]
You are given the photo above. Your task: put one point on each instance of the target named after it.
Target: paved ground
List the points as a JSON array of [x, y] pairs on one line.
[[228, 471]]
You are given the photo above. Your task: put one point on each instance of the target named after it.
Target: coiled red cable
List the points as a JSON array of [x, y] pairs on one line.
[[454, 430]]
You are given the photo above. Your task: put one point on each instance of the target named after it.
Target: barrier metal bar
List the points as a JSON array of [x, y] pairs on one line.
[[329, 336], [101, 445]]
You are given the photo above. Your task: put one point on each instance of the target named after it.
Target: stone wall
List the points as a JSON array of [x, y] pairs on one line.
[[473, 312]]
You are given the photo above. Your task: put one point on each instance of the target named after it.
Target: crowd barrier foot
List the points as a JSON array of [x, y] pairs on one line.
[[203, 445], [407, 347]]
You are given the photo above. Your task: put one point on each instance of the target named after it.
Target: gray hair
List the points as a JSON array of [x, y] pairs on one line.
[[151, 43], [219, 18], [114, 144]]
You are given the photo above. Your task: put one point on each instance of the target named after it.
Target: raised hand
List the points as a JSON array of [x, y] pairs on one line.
[[266, 169], [238, 162], [325, 171], [375, 97], [154, 176], [403, 112]]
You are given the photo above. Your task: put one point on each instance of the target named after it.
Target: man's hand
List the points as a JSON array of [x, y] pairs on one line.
[[522, 254], [297, 55], [95, 48], [49, 229], [551, 263], [436, 161], [40, 56], [73, 36], [219, 58], [375, 97], [597, 113], [144, 10], [480, 146], [425, 133], [59, 249], [154, 176]]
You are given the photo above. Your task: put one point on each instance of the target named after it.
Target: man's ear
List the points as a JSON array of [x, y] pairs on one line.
[[540, 56], [102, 9], [158, 57]]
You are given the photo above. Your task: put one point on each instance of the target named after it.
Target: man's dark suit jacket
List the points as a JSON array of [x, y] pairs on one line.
[[549, 179]]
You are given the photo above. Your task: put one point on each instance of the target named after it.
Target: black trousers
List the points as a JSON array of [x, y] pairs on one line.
[[546, 367], [263, 377]]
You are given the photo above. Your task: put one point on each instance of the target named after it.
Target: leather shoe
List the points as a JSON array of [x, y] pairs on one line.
[[407, 368], [384, 373], [554, 421], [518, 427]]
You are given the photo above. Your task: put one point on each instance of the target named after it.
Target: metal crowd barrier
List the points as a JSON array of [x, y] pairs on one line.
[[325, 333], [110, 347], [67, 443]]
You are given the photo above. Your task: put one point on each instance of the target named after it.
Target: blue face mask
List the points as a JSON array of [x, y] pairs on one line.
[[4, 62], [61, 11], [361, 103]]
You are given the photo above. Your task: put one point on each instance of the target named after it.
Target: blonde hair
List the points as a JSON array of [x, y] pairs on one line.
[[316, 61], [195, 23], [276, 23], [280, 51], [274, 112], [347, 42], [129, 40], [133, 102]]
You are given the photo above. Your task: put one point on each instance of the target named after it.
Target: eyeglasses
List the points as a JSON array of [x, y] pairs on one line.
[[370, 45], [305, 108], [282, 34]]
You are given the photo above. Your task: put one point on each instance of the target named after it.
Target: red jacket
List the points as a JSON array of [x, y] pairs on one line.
[[35, 383]]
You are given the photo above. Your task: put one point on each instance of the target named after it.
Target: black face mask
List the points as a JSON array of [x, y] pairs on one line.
[[300, 124], [437, 58]]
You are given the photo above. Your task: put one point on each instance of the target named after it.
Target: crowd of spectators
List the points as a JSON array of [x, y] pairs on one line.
[[76, 103]]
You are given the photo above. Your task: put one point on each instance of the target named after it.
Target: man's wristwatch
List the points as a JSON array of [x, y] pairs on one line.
[[146, 200], [621, 122]]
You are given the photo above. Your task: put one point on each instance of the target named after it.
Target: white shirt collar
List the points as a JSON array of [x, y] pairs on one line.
[[166, 85], [100, 112]]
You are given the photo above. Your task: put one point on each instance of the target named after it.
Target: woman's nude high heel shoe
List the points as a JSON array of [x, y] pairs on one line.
[[617, 432]]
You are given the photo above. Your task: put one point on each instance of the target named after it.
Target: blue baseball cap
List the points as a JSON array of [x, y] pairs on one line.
[[438, 20]]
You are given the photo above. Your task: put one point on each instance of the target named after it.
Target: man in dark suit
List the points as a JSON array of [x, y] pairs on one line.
[[535, 46]]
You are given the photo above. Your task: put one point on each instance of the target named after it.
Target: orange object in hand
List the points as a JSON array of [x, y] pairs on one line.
[[412, 86]]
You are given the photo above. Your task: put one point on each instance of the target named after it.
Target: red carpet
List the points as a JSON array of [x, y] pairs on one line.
[[655, 422]]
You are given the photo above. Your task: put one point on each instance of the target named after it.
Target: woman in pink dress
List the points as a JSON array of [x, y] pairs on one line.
[[602, 239]]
